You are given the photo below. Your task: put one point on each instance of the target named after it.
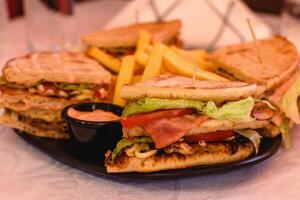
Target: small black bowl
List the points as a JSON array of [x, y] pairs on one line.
[[91, 138]]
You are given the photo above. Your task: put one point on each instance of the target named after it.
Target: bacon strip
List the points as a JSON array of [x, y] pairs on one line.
[[167, 131], [261, 111]]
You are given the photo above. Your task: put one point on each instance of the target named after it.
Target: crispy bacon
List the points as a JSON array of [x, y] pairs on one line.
[[167, 131], [262, 111]]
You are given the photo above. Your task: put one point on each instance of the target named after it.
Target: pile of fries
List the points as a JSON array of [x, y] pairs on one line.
[[152, 59]]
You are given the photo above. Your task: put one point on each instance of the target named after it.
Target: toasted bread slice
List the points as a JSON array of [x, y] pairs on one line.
[[211, 154], [25, 101], [126, 37], [51, 116], [55, 67], [7, 120], [279, 59], [178, 87]]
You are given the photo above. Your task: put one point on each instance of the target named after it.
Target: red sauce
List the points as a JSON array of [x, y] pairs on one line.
[[96, 115]]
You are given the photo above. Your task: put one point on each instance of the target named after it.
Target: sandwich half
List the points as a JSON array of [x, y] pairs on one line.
[[276, 70], [174, 122], [278, 61], [36, 87], [123, 40]]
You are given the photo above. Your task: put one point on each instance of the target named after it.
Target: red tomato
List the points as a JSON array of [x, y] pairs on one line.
[[210, 137], [140, 119]]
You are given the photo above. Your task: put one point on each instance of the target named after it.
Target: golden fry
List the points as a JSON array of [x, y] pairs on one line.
[[143, 41], [153, 66], [136, 79], [148, 49], [124, 77], [163, 70], [141, 58], [177, 65], [107, 60], [197, 57]]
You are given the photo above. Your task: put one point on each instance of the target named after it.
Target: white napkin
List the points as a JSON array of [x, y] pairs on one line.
[[206, 23]]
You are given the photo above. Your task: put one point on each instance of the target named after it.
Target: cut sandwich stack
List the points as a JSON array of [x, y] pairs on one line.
[[271, 64], [109, 46], [35, 88], [122, 41], [175, 122]]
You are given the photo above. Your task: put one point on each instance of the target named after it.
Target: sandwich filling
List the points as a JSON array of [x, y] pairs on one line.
[[154, 126], [79, 92], [44, 121]]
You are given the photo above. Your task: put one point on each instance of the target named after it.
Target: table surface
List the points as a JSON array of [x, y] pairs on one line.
[[28, 174]]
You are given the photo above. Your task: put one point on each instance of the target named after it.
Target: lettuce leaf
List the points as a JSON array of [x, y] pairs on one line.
[[253, 136], [152, 104], [236, 110], [289, 101], [285, 133], [123, 143]]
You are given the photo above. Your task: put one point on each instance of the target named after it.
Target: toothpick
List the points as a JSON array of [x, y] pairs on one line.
[[255, 41], [137, 16]]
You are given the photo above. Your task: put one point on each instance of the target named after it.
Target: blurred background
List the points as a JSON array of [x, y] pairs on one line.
[[16, 7], [41, 25]]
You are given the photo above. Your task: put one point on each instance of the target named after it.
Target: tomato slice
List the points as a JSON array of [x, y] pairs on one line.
[[140, 119], [210, 137]]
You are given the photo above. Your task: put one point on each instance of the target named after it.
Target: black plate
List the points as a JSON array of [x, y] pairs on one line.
[[62, 150]]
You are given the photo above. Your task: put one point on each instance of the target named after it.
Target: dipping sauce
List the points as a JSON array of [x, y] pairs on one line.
[[95, 115]]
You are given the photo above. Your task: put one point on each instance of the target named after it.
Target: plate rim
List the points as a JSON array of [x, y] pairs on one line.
[[165, 174]]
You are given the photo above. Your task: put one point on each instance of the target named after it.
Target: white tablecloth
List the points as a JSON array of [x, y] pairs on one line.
[[28, 174]]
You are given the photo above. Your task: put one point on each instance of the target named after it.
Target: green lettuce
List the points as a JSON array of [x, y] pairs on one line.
[[152, 104], [236, 110], [124, 143], [289, 101], [253, 136], [285, 133]]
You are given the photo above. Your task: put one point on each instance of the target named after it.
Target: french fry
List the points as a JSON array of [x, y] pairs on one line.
[[136, 79], [143, 41], [179, 66], [196, 57], [153, 66], [148, 49], [163, 70], [141, 58], [110, 62], [124, 77]]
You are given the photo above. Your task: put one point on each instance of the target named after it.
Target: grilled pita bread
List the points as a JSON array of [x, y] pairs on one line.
[[126, 37], [45, 115], [212, 154], [7, 120], [178, 87], [55, 67], [279, 59], [23, 101]]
